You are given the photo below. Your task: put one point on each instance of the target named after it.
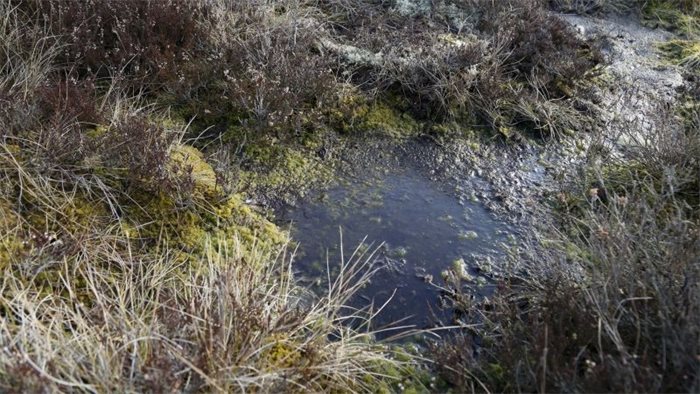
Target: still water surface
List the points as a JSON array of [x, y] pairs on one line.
[[424, 230]]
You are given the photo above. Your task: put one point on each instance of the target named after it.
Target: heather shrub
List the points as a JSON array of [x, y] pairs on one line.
[[541, 61], [148, 42], [61, 110], [75, 135], [542, 49], [125, 267], [65, 110], [261, 71], [507, 64], [277, 76]]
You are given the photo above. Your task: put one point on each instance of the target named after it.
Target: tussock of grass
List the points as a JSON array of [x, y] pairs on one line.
[[233, 322], [93, 300], [493, 59], [594, 6]]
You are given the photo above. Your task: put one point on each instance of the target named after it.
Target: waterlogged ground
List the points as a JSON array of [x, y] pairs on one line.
[[424, 229], [428, 208]]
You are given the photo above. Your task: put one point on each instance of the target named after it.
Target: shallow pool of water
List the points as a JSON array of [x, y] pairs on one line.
[[424, 230]]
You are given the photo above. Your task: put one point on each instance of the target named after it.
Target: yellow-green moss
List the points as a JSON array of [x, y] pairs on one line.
[[235, 218], [684, 53], [281, 354], [453, 129], [143, 218], [188, 161], [404, 376], [160, 219], [669, 15], [380, 117], [354, 113], [207, 216], [283, 169], [685, 50]]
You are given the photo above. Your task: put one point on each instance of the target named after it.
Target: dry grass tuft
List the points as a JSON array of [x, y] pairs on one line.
[[233, 322]]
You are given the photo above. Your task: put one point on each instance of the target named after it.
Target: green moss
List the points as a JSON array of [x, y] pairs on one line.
[[506, 131], [459, 268], [97, 132], [282, 353], [71, 215], [577, 254], [207, 215], [144, 219], [160, 220], [683, 18], [71, 211], [36, 240], [354, 113], [382, 118], [282, 170], [496, 373], [684, 53], [233, 218], [399, 252], [234, 133], [679, 15], [468, 235], [565, 87], [405, 375], [454, 129], [187, 161]]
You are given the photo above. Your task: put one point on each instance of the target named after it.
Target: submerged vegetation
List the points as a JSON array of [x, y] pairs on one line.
[[134, 133]]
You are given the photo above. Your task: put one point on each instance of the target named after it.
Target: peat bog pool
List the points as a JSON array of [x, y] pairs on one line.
[[424, 230]]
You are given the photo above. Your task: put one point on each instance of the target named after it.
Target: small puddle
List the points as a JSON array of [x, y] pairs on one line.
[[424, 230]]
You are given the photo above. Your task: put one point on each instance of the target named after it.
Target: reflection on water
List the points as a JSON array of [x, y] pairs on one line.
[[424, 231]]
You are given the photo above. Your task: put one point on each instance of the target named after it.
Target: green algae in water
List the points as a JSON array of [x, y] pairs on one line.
[[425, 230]]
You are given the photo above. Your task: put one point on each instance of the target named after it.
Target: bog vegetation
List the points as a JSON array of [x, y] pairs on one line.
[[130, 261]]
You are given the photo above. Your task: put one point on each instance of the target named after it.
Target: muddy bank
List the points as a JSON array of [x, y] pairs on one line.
[[637, 83]]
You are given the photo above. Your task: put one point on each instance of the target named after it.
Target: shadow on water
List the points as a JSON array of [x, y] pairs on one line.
[[424, 231]]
